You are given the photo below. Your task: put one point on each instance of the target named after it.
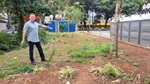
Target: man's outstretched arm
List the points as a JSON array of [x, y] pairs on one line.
[[23, 38]]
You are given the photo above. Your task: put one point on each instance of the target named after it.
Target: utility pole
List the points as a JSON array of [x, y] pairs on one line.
[[116, 27]]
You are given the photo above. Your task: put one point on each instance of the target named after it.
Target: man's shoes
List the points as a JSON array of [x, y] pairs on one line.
[[43, 59], [33, 63]]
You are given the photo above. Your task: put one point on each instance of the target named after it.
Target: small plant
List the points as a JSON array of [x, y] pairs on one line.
[[61, 27], [66, 72], [127, 60], [127, 77], [108, 69], [136, 64], [38, 68], [8, 77], [53, 53], [147, 81], [96, 71], [112, 70], [82, 60]]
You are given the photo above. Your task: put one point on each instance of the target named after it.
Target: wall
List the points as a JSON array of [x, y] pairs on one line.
[[134, 30], [3, 26]]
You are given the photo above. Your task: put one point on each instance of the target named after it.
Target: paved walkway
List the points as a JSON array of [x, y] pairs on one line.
[[105, 34]]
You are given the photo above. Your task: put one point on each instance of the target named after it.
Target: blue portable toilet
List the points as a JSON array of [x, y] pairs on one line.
[[72, 27], [52, 25], [62, 22]]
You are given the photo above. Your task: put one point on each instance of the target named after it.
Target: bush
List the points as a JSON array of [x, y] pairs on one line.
[[43, 36], [61, 27], [8, 42]]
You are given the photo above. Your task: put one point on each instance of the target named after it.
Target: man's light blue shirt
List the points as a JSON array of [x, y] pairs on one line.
[[31, 30]]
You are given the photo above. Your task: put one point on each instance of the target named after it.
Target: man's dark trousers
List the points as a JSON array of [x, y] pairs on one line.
[[31, 48]]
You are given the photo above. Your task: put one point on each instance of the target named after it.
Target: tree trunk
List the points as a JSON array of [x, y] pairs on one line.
[[54, 16], [116, 26], [9, 20], [20, 29], [106, 22]]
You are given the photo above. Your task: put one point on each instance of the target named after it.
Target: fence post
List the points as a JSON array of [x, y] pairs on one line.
[[139, 37], [129, 31], [121, 30]]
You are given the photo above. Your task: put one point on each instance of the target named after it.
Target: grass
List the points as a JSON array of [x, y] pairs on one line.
[[89, 51], [81, 45], [58, 46]]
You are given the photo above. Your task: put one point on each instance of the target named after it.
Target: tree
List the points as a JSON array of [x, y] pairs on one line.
[[106, 8], [85, 6], [115, 32], [22, 8], [75, 15], [57, 6], [131, 6]]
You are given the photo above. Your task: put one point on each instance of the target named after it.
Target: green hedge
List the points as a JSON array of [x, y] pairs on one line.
[[8, 42]]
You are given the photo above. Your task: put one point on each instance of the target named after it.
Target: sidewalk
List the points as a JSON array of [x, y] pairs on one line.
[[105, 34]]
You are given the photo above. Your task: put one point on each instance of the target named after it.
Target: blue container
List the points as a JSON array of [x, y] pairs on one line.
[[52, 25], [72, 27]]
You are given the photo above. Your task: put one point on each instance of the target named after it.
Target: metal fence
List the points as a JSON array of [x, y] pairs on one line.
[[134, 31]]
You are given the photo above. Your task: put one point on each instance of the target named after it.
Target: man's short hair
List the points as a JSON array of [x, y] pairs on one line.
[[31, 14]]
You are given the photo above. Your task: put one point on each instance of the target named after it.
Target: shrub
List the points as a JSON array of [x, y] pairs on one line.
[[9, 42], [61, 27], [43, 36]]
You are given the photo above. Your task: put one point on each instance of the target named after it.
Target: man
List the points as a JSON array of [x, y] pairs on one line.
[[31, 31]]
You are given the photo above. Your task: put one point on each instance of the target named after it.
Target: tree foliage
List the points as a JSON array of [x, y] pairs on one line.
[[75, 15], [57, 6], [23, 7], [106, 8]]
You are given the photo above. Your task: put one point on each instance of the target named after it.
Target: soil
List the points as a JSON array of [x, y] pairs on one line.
[[135, 62]]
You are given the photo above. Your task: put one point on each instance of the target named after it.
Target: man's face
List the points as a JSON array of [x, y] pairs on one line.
[[32, 17]]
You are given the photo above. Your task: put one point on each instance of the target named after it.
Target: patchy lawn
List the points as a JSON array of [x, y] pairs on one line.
[[15, 67]]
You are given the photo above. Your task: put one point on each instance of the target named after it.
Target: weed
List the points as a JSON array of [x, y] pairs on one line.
[[108, 69], [66, 72], [53, 53], [8, 77], [14, 70], [112, 70], [81, 60], [96, 71], [127, 60], [147, 81], [136, 64], [127, 77], [87, 51], [38, 68], [65, 35]]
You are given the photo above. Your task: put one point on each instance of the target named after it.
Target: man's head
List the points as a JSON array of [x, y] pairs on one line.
[[32, 17]]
